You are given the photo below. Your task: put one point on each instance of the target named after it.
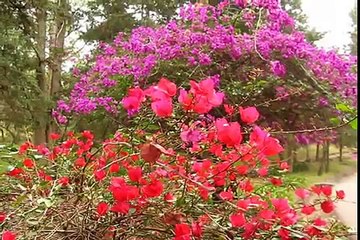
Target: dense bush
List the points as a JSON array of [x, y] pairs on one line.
[[184, 176], [187, 160]]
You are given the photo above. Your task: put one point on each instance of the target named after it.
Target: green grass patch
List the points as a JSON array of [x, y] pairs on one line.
[[336, 170]]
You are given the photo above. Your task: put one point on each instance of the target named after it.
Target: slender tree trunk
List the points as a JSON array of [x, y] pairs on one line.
[[290, 152], [57, 51], [317, 152], [307, 154], [40, 131], [341, 146], [322, 161], [204, 2], [295, 158], [327, 165]]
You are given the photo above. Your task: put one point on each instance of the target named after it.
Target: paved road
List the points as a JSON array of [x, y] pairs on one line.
[[347, 210]]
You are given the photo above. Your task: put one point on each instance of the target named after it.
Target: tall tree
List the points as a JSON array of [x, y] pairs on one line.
[[41, 27], [353, 33], [109, 17]]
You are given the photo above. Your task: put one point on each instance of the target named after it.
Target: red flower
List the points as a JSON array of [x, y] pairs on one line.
[[229, 134], [64, 181], [80, 162], [24, 147], [133, 101], [266, 214], [121, 207], [162, 108], [308, 210], [28, 163], [87, 134], [326, 190], [276, 181], [272, 147], [125, 193], [102, 208], [281, 205], [169, 197], [237, 220], [7, 235], [2, 217], [242, 170], [135, 174], [269, 146], [54, 136], [154, 189], [284, 234], [226, 196], [262, 172], [99, 175], [302, 193], [249, 115], [15, 172], [182, 231], [340, 194], [229, 109], [114, 168], [196, 229], [327, 206], [319, 222], [185, 99]]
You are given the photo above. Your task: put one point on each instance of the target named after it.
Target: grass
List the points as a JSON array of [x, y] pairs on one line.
[[337, 170]]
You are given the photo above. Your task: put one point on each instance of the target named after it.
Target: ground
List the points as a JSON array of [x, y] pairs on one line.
[[347, 210]]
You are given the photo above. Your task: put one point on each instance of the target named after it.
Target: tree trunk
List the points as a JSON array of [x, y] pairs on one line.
[[317, 152], [341, 146], [307, 154], [40, 131], [295, 158], [205, 2], [57, 51], [327, 165], [322, 161], [290, 152]]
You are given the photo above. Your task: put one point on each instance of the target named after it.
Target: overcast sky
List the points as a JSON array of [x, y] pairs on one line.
[[331, 16]]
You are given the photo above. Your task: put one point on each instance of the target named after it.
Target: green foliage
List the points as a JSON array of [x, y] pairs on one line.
[[123, 16], [353, 33]]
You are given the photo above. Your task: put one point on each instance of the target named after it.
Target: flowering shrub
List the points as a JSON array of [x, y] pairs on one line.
[[184, 176], [250, 49]]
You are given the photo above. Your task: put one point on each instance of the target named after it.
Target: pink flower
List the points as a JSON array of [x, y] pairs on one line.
[[228, 133], [133, 101], [278, 68], [162, 108], [302, 193], [249, 115]]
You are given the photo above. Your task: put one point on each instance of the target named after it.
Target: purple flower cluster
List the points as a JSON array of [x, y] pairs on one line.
[[203, 36]]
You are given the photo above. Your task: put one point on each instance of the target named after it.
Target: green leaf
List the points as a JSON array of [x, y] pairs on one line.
[[342, 107], [335, 121], [353, 124]]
